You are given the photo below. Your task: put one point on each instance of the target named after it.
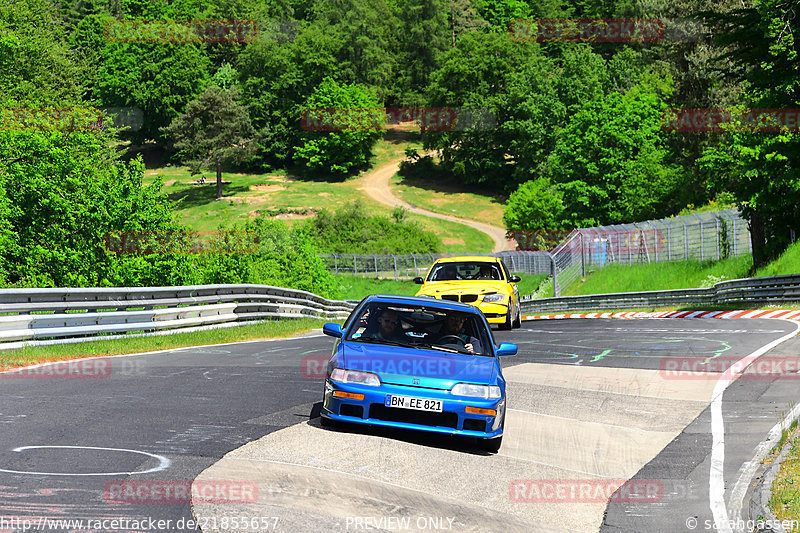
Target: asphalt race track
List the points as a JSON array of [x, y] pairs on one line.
[[592, 403]]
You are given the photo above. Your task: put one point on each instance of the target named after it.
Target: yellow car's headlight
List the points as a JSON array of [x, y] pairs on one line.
[[497, 297]]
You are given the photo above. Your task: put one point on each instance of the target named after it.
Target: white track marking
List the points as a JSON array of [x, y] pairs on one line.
[[163, 462], [716, 479]]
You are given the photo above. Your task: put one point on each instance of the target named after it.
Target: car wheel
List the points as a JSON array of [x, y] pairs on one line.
[[518, 321], [508, 324]]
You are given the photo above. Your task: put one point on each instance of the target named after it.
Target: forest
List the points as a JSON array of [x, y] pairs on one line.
[[582, 127]]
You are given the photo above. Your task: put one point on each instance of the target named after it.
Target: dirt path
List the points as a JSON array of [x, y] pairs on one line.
[[376, 184]]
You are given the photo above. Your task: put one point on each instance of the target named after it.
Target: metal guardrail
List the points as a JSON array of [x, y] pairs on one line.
[[768, 290], [80, 312]]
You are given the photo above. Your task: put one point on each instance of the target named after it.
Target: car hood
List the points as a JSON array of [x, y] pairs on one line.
[[459, 287], [419, 367]]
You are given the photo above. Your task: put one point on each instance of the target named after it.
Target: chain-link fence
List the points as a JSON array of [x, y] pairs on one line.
[[409, 266], [703, 236], [710, 235]]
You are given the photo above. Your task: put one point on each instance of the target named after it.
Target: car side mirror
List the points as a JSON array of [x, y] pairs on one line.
[[506, 348], [418, 280], [514, 279], [334, 330]]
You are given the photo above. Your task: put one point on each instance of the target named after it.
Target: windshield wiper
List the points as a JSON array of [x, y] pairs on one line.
[[441, 348]]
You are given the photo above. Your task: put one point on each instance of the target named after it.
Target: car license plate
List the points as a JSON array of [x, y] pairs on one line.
[[409, 402]]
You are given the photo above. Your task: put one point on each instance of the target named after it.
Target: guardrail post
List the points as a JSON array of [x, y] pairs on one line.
[[735, 236], [395, 266], [416, 270], [335, 264], [719, 241], [355, 266], [375, 258]]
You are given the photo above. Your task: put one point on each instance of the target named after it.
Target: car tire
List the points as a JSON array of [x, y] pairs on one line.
[[508, 324], [518, 321]]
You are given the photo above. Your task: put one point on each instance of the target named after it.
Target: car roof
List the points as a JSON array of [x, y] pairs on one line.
[[421, 300], [469, 258]]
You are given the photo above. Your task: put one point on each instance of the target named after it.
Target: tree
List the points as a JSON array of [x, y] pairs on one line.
[[612, 162], [213, 130], [61, 194], [160, 79], [343, 122], [761, 168], [533, 214], [535, 205]]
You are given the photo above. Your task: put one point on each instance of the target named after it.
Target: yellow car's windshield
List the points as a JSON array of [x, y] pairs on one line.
[[465, 271]]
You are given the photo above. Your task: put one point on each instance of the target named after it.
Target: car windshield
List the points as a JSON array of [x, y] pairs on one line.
[[465, 271], [420, 326]]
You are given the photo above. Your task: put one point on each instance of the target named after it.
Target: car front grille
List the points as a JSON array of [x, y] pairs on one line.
[[411, 416], [465, 298]]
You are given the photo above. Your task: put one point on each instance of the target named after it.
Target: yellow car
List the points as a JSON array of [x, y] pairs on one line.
[[481, 281]]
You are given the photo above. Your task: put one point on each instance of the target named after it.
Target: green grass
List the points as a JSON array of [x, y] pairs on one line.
[[355, 287], [450, 198], [785, 499], [530, 282], [251, 194], [787, 263], [267, 330], [660, 276]]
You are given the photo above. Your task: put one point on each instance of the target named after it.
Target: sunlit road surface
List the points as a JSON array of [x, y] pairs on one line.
[[590, 405]]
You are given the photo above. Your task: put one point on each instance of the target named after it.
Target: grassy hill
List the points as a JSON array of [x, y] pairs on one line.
[[283, 196]]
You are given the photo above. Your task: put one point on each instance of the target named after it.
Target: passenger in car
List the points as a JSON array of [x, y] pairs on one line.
[[388, 327], [448, 273]]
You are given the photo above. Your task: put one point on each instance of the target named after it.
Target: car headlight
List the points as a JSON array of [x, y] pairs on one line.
[[355, 376], [476, 391], [494, 297]]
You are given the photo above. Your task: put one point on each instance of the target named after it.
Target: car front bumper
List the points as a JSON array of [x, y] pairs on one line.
[[453, 419]]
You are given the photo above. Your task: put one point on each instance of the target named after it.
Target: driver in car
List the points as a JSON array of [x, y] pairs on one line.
[[451, 333]]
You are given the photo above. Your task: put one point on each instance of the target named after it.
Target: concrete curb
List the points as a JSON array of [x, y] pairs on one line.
[[761, 493]]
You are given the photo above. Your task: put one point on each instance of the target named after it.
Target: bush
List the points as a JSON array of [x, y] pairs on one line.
[[352, 230], [276, 255]]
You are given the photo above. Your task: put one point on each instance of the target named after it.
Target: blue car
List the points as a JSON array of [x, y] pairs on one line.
[[417, 363]]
